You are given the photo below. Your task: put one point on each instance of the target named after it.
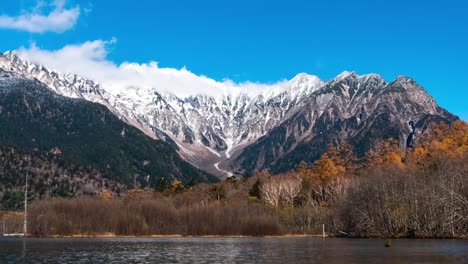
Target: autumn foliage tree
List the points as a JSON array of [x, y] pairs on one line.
[[106, 195], [444, 152], [326, 180], [448, 140], [387, 153], [424, 194]]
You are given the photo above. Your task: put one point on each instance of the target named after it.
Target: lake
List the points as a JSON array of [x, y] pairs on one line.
[[230, 250]]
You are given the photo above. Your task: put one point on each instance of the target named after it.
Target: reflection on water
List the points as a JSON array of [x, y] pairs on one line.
[[23, 252], [230, 250]]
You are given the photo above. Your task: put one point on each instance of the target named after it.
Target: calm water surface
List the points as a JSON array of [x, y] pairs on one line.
[[230, 250]]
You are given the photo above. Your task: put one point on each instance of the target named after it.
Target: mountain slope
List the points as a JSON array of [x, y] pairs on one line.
[[207, 130], [359, 109], [274, 129], [33, 117], [49, 175]]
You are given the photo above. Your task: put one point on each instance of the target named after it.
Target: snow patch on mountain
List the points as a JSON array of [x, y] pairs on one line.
[[228, 173], [208, 129]]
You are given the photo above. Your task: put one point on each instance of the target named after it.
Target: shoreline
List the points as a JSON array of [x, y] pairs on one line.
[[111, 235], [178, 236]]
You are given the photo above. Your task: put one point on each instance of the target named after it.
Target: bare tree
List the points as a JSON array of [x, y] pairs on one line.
[[290, 187], [271, 191]]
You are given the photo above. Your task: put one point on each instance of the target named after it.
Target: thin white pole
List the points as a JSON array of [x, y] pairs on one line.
[[323, 230], [25, 227]]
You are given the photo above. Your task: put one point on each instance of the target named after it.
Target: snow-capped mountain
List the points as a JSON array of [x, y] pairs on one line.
[[234, 130], [206, 129], [361, 110]]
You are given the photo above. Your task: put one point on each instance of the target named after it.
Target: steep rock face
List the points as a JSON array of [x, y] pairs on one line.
[[359, 109], [274, 129], [206, 130]]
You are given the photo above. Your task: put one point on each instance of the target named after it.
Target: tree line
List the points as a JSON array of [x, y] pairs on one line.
[[390, 192]]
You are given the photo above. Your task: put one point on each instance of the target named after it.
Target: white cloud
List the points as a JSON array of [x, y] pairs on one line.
[[89, 60], [58, 20]]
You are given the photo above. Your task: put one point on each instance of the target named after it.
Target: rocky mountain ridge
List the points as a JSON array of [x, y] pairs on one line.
[[35, 119], [235, 132]]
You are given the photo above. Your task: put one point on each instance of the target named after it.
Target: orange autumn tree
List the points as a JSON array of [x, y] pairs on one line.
[[303, 169], [326, 168], [344, 157], [325, 181], [387, 153], [336, 161], [442, 140], [106, 195], [177, 187], [452, 140]]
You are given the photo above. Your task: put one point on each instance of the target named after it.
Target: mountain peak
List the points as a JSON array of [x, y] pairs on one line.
[[371, 75], [221, 126], [404, 79], [10, 55], [304, 76], [305, 82], [409, 84], [345, 75]]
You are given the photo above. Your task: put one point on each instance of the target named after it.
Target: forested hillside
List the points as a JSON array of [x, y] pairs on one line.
[[419, 192], [48, 176], [36, 120]]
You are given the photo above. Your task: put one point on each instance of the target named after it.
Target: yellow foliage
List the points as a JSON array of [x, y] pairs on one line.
[[442, 140], [106, 195], [136, 194], [337, 161], [325, 168], [387, 153], [177, 186], [451, 141]]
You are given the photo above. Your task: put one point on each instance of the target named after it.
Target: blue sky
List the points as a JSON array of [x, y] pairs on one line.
[[263, 41]]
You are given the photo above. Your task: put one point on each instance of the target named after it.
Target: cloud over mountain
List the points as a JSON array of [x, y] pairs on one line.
[[89, 59]]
